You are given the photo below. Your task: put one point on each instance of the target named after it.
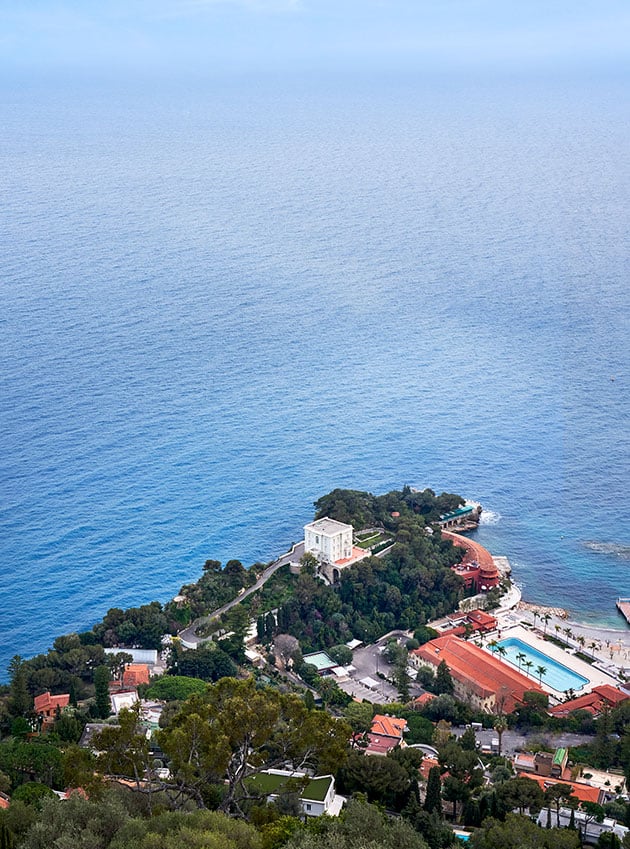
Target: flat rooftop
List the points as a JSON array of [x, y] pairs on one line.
[[319, 659], [328, 527]]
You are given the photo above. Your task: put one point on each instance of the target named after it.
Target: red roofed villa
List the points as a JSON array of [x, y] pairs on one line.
[[385, 734], [599, 699], [46, 705], [478, 677], [477, 569]]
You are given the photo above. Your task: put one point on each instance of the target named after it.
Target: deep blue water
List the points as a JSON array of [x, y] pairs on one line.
[[220, 301]]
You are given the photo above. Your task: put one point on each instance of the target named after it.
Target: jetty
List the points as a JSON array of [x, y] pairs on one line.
[[623, 606]]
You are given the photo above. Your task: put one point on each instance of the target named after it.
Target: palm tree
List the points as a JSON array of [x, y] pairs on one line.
[[500, 725], [493, 645], [520, 657], [568, 632], [592, 647], [501, 650], [581, 641], [541, 670], [528, 664], [545, 618], [535, 614]]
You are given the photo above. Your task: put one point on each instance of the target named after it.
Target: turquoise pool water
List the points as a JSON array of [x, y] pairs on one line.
[[558, 676]]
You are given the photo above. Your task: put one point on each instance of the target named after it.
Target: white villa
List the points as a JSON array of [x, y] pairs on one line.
[[328, 539], [330, 542]]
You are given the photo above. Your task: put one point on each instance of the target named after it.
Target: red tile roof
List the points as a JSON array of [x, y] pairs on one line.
[[483, 620], [612, 694], [422, 700], [136, 673], [385, 734], [380, 745], [388, 726], [425, 765], [47, 704], [583, 792], [477, 670], [477, 565], [600, 698]]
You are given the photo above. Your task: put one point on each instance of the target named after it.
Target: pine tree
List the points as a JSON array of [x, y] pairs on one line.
[[20, 702], [6, 837], [260, 628], [270, 625], [443, 680], [433, 798], [103, 705]]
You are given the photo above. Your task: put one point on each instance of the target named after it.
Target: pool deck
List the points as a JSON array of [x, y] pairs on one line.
[[595, 676]]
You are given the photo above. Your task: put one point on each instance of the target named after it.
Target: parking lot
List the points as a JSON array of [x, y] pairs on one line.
[[369, 663]]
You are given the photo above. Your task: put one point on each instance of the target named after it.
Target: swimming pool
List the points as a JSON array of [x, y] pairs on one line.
[[558, 676]]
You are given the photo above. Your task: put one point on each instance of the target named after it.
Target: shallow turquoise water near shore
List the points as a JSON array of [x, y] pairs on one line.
[[220, 302]]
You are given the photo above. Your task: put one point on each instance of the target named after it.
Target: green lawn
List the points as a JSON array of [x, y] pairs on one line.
[[372, 539]]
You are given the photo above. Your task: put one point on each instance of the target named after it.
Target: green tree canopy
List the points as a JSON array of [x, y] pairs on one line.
[[519, 832], [170, 688], [235, 730]]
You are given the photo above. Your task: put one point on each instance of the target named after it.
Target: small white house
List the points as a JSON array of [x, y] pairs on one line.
[[317, 798], [328, 539]]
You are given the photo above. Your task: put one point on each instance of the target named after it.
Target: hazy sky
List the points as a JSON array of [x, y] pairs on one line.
[[216, 35]]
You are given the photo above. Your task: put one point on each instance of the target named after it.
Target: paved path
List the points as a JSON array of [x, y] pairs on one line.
[[188, 636]]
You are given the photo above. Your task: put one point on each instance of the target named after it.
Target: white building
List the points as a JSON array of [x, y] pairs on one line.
[[329, 540], [318, 796], [590, 828]]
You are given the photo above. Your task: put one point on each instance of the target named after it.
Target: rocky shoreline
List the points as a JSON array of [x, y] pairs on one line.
[[542, 609]]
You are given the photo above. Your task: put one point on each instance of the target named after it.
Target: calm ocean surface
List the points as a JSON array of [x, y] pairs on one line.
[[220, 301]]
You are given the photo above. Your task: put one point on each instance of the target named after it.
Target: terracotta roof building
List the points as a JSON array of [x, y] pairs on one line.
[[599, 699], [46, 705], [134, 674], [385, 734], [477, 569], [478, 677], [460, 624], [582, 792]]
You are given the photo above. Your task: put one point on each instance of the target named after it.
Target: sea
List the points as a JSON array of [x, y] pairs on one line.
[[222, 298]]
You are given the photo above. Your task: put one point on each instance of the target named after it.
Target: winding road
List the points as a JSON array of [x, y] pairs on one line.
[[189, 638]]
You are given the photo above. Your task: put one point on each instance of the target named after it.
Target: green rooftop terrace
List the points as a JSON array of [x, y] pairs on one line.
[[268, 784], [559, 757]]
